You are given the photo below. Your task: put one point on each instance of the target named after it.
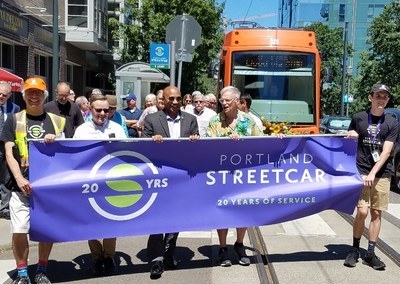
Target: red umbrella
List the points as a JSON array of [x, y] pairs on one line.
[[15, 81]]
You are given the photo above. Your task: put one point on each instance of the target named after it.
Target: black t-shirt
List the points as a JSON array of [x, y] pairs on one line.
[[387, 128], [37, 127], [70, 111]]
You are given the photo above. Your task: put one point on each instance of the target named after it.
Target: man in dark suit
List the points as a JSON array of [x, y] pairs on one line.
[[173, 123], [7, 108]]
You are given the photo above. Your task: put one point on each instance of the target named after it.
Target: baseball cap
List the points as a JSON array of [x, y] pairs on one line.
[[35, 83], [380, 87], [130, 96], [112, 100]]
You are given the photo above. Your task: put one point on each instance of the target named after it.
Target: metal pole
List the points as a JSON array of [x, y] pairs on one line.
[[178, 85], [344, 69], [348, 95], [173, 65], [181, 50], [55, 47]]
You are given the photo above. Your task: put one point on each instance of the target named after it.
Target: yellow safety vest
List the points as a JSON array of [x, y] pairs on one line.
[[20, 133]]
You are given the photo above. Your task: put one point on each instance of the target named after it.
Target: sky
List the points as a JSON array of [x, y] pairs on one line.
[[264, 12]]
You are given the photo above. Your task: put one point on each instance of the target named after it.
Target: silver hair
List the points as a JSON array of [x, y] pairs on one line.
[[81, 100], [210, 96], [235, 91], [7, 85], [45, 93], [150, 97], [198, 95], [96, 92]]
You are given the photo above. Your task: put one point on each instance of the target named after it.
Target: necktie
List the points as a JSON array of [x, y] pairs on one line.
[[1, 119]]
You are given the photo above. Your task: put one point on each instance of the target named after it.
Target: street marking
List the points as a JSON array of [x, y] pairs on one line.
[[312, 225], [394, 210]]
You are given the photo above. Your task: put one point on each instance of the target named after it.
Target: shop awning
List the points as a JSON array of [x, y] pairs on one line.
[[15, 81]]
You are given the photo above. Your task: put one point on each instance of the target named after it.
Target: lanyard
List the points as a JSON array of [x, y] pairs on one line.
[[377, 129]]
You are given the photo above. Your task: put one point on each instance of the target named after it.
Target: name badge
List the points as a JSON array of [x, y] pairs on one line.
[[375, 156]]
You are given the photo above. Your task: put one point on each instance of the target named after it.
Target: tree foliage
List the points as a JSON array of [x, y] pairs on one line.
[[381, 63], [148, 24], [330, 45]]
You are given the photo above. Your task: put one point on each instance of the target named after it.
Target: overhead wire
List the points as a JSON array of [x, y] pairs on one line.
[[248, 9]]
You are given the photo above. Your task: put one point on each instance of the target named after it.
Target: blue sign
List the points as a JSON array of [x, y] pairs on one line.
[[86, 190], [159, 56]]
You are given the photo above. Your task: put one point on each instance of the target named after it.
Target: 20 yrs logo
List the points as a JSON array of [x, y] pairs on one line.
[[121, 177]]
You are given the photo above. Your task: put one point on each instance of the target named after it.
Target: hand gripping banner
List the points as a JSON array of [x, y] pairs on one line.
[[101, 189]]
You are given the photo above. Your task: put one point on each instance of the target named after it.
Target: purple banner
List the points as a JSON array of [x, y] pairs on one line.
[[96, 189]]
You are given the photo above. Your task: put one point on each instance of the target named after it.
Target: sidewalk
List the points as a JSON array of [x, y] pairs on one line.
[[5, 236]]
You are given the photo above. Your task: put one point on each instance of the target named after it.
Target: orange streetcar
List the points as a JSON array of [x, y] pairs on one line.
[[280, 69]]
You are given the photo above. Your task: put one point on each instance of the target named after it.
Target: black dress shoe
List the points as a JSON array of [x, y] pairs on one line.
[[170, 262], [157, 268]]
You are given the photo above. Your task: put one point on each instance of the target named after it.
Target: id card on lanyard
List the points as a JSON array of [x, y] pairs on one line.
[[374, 152]]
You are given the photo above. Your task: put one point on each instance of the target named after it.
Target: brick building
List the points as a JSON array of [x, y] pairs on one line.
[[26, 42]]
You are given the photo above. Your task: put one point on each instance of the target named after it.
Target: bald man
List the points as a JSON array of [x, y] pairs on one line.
[[173, 123]]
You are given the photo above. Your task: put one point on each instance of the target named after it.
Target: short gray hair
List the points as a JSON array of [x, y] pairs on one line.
[[81, 100], [7, 86], [235, 91], [198, 95], [150, 97], [96, 92]]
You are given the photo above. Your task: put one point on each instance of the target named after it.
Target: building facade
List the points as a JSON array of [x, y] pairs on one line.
[[85, 54], [335, 13]]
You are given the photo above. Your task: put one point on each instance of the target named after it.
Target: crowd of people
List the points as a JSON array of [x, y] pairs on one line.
[[166, 115]]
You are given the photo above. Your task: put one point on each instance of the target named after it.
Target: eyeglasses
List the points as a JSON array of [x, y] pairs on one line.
[[172, 99], [99, 110], [198, 102], [222, 101]]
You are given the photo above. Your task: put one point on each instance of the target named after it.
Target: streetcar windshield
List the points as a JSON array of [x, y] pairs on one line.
[[281, 84]]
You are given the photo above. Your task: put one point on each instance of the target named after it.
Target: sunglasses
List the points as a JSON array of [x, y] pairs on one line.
[[172, 99], [99, 110]]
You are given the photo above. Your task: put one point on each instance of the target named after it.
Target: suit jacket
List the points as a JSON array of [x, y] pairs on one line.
[[156, 124], [10, 107]]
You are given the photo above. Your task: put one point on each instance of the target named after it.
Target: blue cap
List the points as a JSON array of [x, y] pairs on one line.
[[130, 96]]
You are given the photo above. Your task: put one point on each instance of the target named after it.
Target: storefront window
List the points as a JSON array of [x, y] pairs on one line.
[[7, 56]]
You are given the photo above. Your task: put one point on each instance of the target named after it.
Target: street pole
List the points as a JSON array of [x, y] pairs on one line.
[[173, 65], [344, 70], [55, 47], [181, 50]]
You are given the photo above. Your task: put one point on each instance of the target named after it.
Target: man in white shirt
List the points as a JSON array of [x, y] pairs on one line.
[[202, 113], [244, 104], [100, 127]]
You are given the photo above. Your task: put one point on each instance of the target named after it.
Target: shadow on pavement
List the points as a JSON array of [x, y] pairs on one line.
[[334, 252]]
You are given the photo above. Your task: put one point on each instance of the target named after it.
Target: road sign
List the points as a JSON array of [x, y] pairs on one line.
[[186, 32], [159, 56], [184, 57]]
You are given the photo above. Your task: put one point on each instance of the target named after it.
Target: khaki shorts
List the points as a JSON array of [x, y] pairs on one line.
[[19, 213], [377, 196]]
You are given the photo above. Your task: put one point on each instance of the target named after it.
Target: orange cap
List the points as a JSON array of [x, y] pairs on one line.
[[35, 83]]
